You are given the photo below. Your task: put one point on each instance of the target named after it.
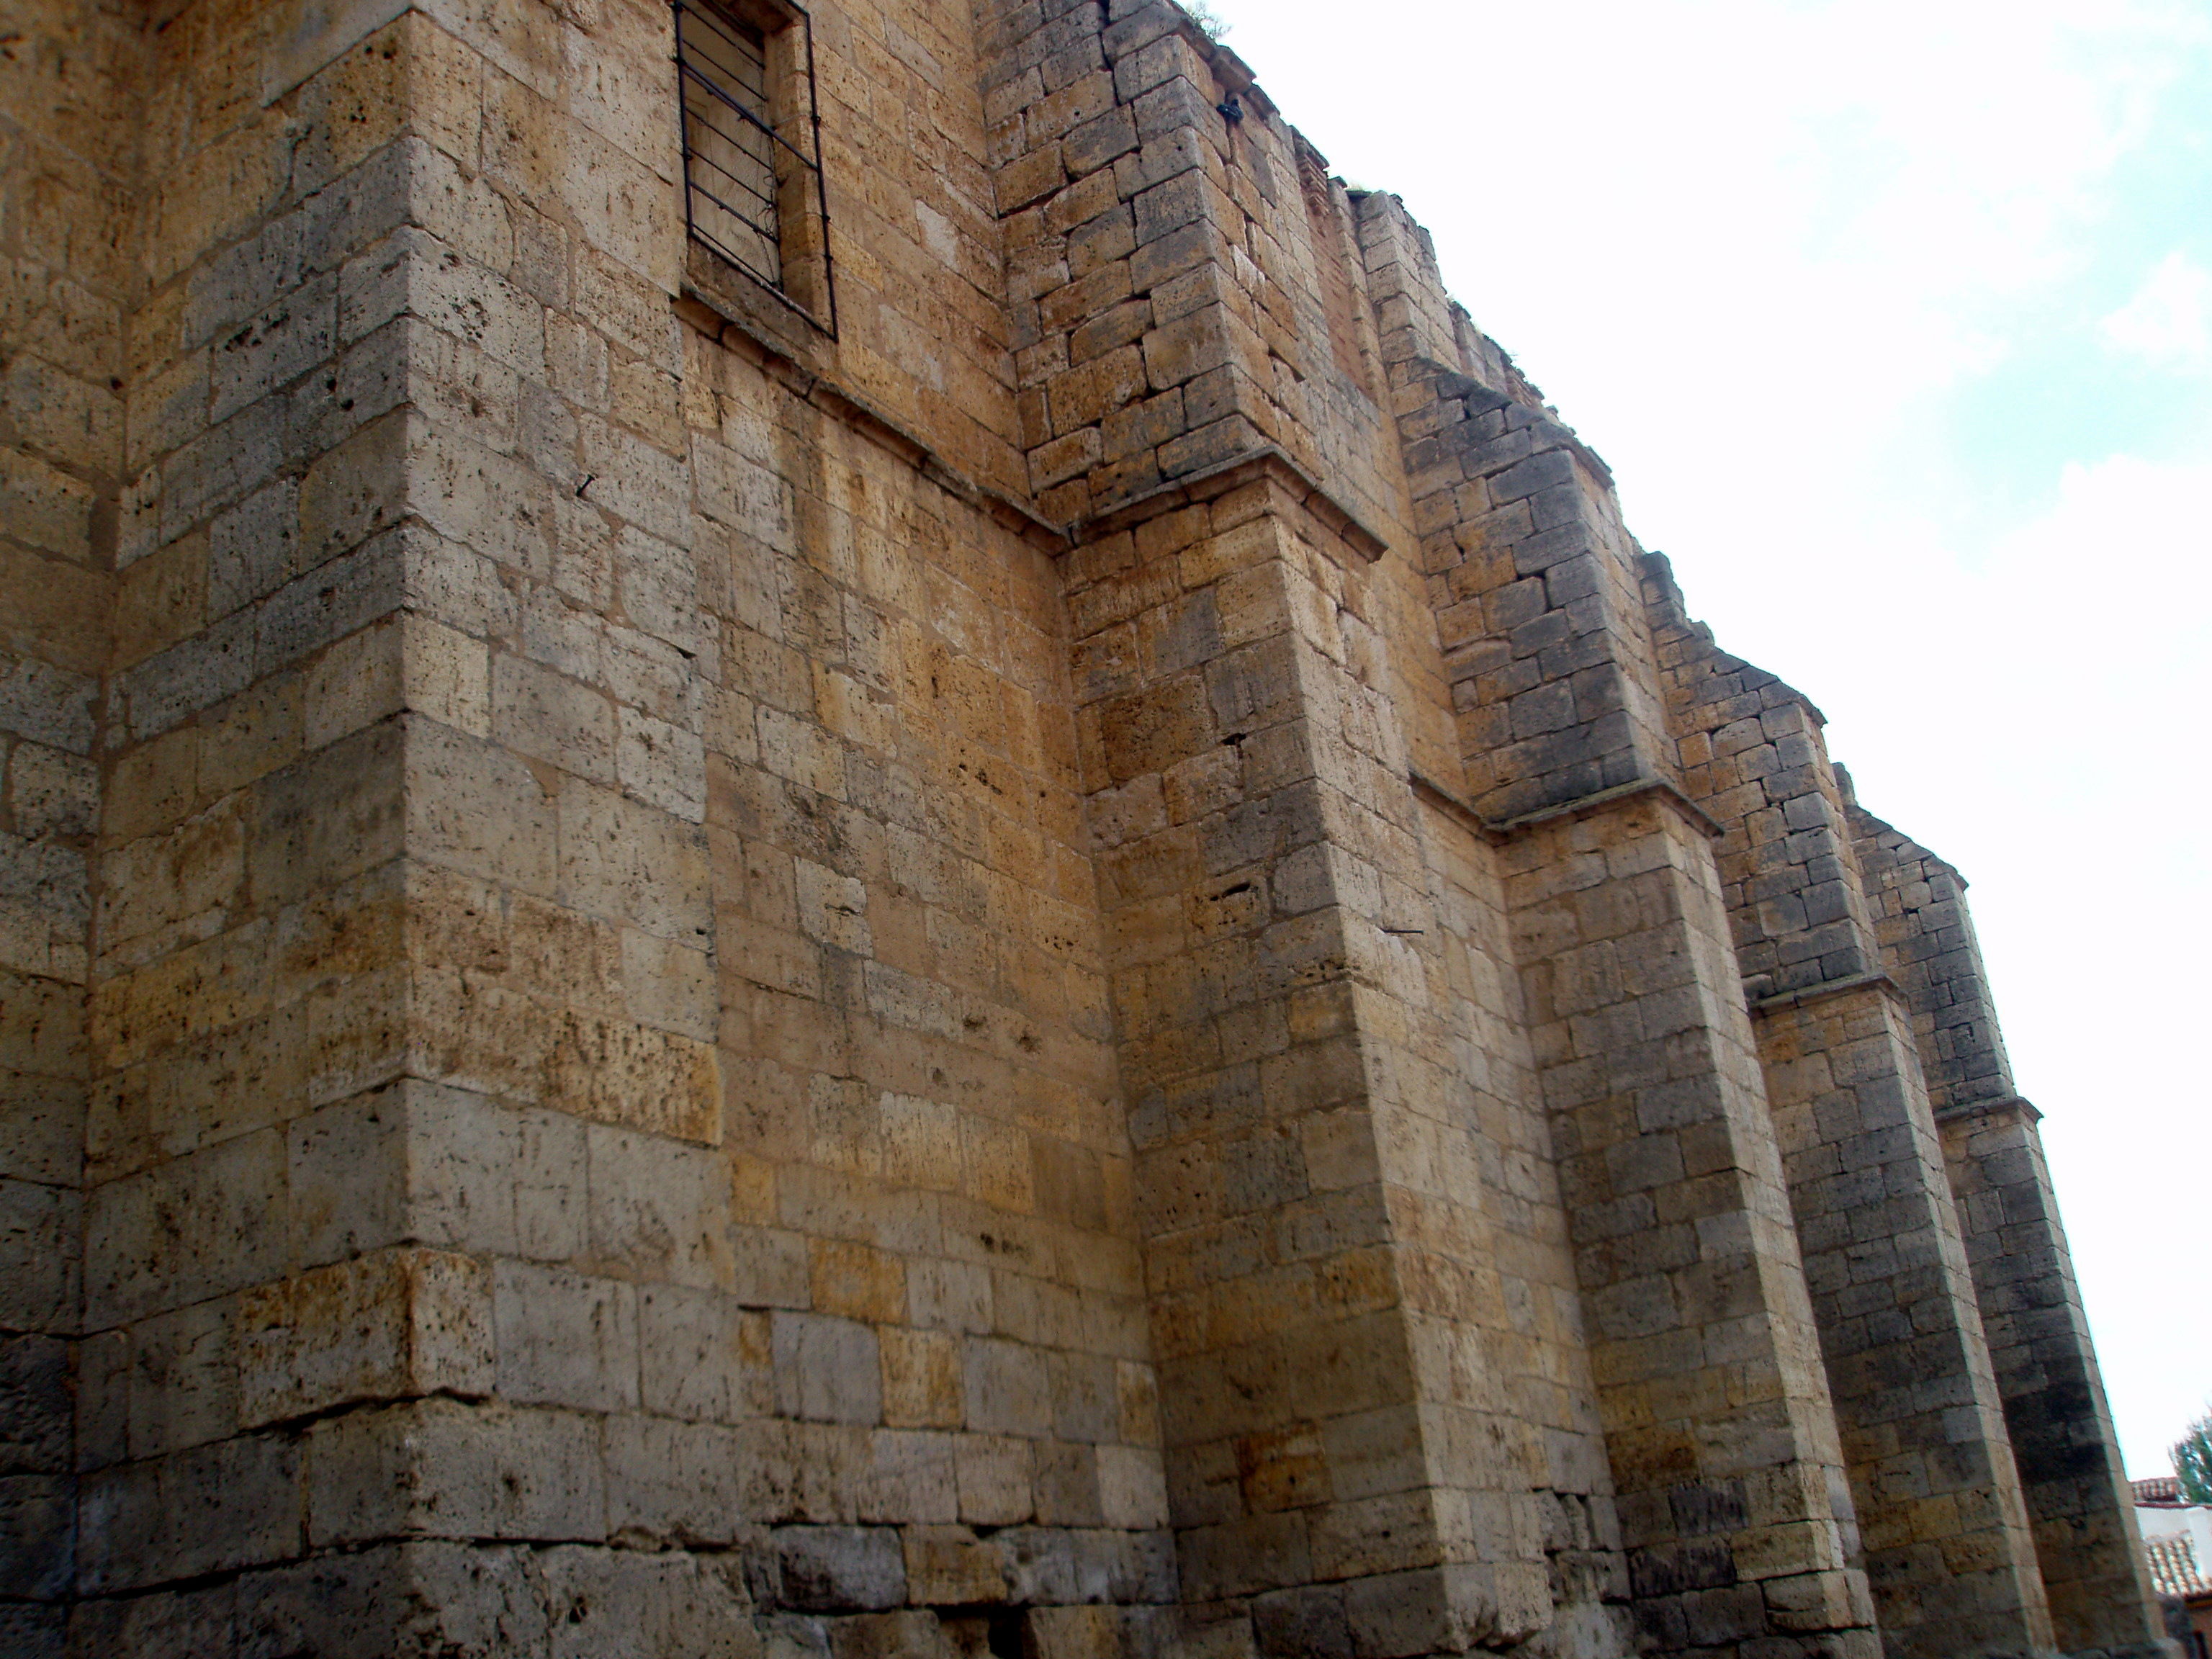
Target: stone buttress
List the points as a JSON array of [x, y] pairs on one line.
[[1736, 1514], [1043, 942], [1345, 1452], [1941, 1518], [2047, 1374]]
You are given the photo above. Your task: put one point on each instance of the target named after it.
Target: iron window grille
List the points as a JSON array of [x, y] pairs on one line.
[[753, 191]]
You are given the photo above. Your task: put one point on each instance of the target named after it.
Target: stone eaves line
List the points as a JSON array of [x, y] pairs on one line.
[[1660, 569], [1498, 832], [1807, 994], [1883, 826], [1235, 75], [1448, 384]]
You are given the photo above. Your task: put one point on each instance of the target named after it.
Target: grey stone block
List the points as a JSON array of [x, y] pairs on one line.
[[565, 1339], [827, 1368], [37, 1535], [840, 1569], [623, 1604], [675, 1482], [442, 1468], [417, 1600], [33, 1631], [35, 1405]]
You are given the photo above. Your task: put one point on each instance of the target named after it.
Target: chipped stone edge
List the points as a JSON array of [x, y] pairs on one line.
[[1805, 994], [1498, 832], [1267, 460], [1688, 810], [1428, 789], [2017, 1105]]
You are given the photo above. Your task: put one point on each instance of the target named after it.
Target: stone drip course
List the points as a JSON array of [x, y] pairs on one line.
[[1078, 961]]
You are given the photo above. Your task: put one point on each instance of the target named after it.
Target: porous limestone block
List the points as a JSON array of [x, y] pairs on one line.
[[1621, 930], [446, 1468]]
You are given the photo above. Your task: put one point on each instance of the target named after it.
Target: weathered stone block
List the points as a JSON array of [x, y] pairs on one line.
[[378, 1328], [444, 1468], [564, 1338], [417, 1598], [618, 1603], [839, 1569], [827, 1368]]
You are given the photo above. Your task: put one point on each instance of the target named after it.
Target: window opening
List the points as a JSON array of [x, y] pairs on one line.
[[753, 191]]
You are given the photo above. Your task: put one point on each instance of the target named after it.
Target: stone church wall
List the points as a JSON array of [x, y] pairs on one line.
[[66, 174], [1091, 968]]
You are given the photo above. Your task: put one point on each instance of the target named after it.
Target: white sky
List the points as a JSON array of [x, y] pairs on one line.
[[1894, 321]]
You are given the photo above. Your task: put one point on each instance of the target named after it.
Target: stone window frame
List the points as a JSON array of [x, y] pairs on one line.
[[777, 128]]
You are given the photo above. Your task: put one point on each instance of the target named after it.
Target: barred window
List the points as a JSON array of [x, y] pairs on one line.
[[753, 192]]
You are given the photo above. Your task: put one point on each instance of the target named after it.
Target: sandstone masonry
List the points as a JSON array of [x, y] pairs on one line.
[[1048, 945]]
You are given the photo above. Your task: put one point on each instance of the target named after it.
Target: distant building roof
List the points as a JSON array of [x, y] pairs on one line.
[[2160, 1491], [2174, 1570]]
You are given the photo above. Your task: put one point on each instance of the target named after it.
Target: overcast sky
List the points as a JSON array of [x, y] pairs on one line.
[[1894, 321]]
